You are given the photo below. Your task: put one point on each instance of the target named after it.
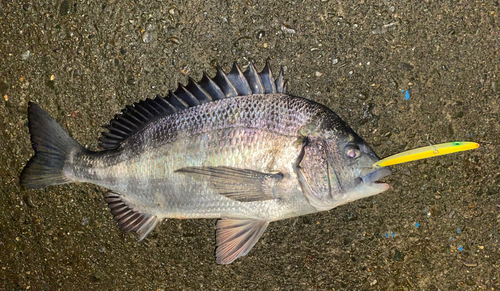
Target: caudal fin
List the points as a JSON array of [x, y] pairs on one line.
[[51, 144]]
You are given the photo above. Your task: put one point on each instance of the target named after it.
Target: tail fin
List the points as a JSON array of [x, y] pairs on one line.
[[51, 144]]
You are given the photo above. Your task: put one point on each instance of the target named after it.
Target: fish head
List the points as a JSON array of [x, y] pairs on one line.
[[337, 167], [350, 166]]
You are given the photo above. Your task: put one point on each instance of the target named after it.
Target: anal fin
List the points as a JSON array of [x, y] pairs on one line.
[[236, 237], [129, 219]]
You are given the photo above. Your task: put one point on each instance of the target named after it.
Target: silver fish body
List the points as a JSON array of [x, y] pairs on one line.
[[248, 159]]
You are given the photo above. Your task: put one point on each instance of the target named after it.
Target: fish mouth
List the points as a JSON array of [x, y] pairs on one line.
[[372, 178]]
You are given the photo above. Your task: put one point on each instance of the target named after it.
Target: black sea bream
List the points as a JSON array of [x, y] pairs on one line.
[[234, 147]]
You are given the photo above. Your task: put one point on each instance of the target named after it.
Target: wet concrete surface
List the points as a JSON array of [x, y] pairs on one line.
[[437, 228]]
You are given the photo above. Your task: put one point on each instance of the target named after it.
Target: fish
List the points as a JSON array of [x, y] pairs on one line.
[[234, 147]]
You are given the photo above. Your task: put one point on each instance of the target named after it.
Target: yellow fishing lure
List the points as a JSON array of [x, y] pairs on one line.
[[427, 152]]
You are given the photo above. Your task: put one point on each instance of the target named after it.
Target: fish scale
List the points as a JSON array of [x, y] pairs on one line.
[[235, 147]]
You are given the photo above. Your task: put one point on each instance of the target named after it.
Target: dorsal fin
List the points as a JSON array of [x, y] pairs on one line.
[[135, 117]]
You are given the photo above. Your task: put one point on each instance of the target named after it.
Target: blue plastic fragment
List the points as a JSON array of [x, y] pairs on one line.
[[417, 224], [407, 95], [452, 239], [460, 248], [459, 230], [386, 235]]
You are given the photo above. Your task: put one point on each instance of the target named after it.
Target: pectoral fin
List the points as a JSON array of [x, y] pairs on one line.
[[243, 185], [236, 237]]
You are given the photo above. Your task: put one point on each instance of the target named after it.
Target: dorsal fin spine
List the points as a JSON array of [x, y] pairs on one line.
[[266, 77], [211, 87], [150, 109], [191, 100], [135, 112], [253, 79], [198, 91], [118, 127], [224, 83], [121, 118], [178, 101], [238, 80], [280, 86], [169, 107], [115, 129], [109, 134], [116, 124]]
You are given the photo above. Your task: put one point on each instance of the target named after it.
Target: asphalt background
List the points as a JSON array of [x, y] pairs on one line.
[[437, 228]]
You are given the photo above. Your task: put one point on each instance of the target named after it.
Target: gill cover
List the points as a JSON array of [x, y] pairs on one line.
[[316, 177]]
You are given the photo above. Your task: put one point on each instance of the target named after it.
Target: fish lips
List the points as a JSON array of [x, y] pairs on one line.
[[373, 177]]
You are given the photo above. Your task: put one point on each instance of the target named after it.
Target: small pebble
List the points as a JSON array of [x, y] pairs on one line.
[[27, 200], [469, 281], [379, 30], [173, 40], [147, 37], [287, 29], [25, 55], [352, 216], [185, 70], [335, 61], [405, 66], [398, 256], [64, 9], [85, 221], [435, 211], [132, 81], [318, 74]]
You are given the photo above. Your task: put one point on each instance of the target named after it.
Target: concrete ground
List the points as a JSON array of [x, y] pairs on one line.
[[437, 228]]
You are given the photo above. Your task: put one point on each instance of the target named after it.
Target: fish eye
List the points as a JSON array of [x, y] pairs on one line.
[[352, 151]]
